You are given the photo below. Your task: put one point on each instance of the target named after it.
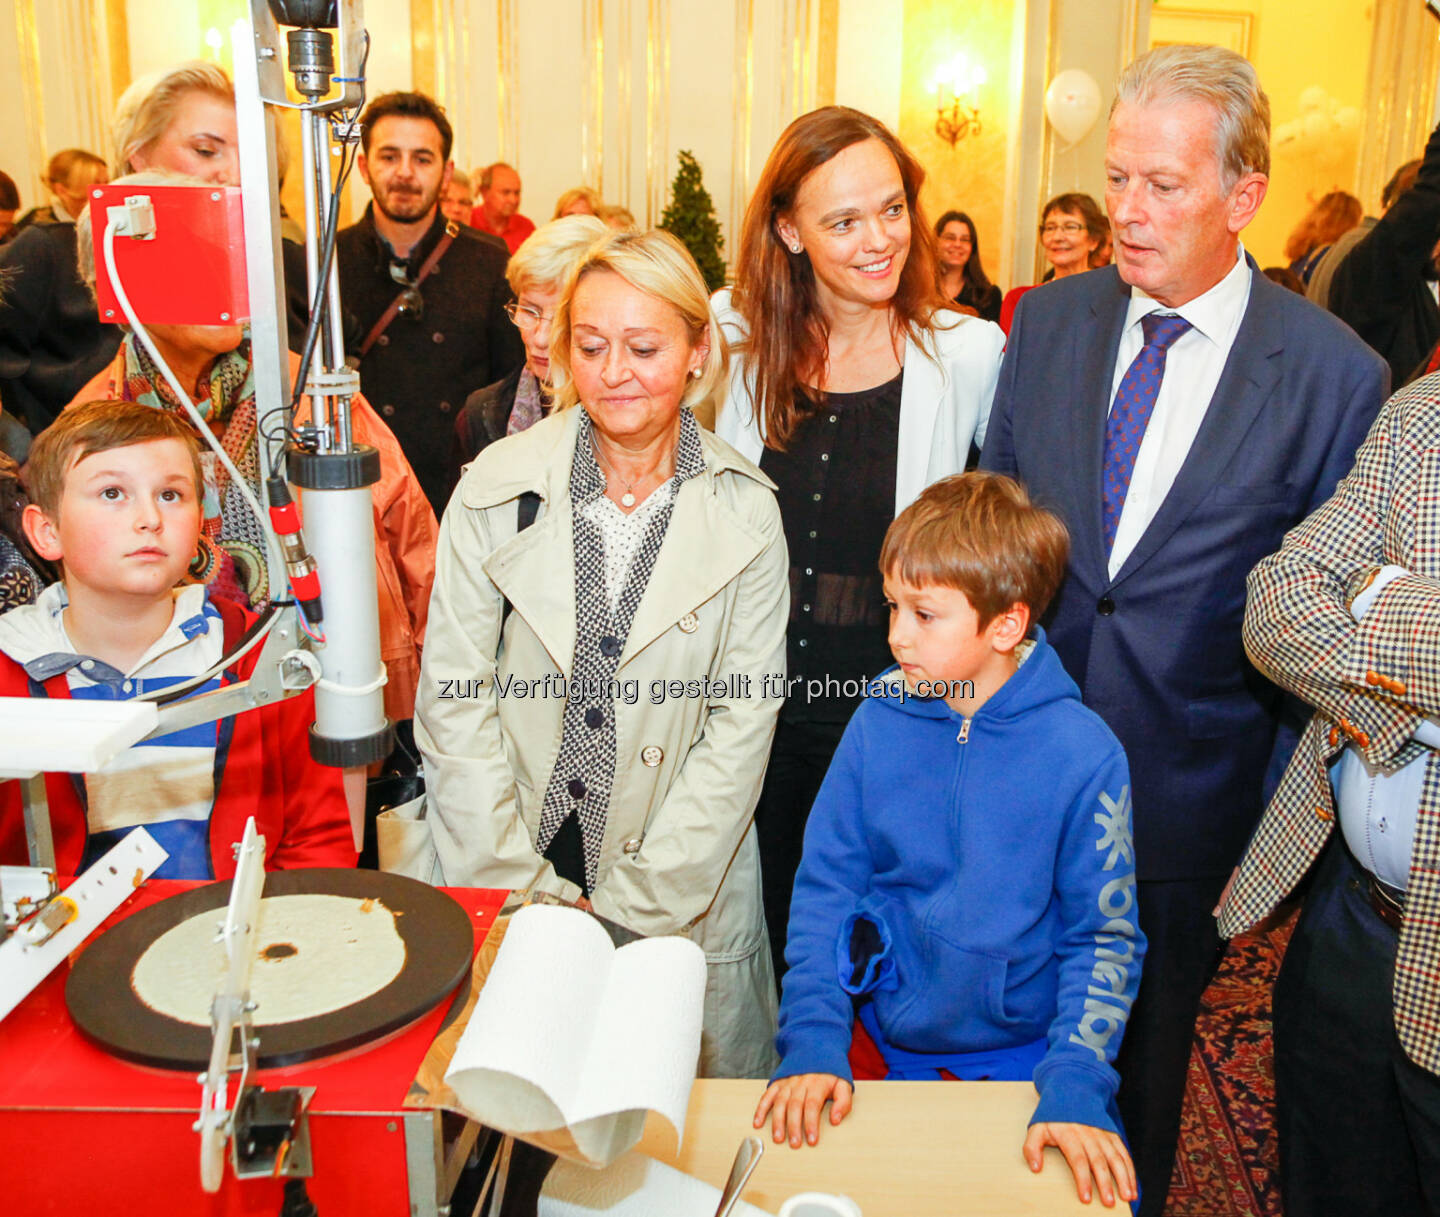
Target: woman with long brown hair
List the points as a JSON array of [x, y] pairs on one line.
[[853, 387]]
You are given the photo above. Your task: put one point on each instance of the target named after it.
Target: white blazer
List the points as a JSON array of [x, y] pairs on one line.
[[944, 402]]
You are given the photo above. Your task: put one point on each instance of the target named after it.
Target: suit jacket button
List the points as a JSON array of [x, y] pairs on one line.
[[632, 846], [689, 623], [1362, 739], [652, 755], [1372, 678], [1397, 687], [1105, 607], [1334, 737], [1324, 813]]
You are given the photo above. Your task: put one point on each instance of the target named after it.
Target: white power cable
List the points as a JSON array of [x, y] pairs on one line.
[[241, 484]]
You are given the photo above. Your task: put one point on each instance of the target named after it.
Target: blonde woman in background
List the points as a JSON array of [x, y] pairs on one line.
[[578, 201]]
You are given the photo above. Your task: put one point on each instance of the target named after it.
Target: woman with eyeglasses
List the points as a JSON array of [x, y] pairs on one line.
[[536, 273], [1072, 230]]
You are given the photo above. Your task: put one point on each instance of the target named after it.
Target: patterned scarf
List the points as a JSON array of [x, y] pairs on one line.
[[530, 402], [230, 523]]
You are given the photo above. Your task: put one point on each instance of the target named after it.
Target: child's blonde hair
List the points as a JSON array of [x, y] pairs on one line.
[[981, 534]]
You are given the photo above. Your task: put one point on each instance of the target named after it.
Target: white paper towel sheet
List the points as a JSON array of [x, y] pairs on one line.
[[631, 1186]]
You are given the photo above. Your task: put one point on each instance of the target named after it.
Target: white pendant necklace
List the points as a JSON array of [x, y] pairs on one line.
[[628, 498]]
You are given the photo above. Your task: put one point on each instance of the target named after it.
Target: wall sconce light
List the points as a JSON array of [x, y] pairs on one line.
[[956, 114]]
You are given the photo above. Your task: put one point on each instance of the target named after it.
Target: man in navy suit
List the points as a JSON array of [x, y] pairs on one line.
[[1180, 412]]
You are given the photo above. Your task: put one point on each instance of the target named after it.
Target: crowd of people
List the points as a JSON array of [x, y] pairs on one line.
[[708, 622]]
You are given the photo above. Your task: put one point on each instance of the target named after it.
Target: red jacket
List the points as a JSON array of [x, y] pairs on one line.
[[263, 769]]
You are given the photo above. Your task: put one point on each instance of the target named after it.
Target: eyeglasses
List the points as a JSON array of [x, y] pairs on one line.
[[525, 317], [1070, 228]]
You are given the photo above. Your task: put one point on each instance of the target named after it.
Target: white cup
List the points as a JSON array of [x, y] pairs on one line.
[[819, 1204]]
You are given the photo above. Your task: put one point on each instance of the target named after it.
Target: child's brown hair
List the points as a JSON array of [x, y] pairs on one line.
[[981, 534], [99, 426]]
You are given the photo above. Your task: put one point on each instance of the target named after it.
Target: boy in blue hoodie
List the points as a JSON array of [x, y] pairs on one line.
[[967, 889]]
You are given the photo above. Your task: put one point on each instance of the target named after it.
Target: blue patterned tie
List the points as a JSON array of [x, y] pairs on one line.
[[1130, 415]]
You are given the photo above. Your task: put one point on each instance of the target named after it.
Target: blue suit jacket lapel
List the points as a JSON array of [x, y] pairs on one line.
[[1246, 383], [1096, 343]]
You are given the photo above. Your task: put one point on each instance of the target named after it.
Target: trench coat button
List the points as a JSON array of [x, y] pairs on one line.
[[609, 646], [387, 410], [437, 337], [383, 340], [1373, 678], [594, 718], [576, 788], [1322, 813], [1105, 606], [652, 755], [444, 407], [689, 623], [632, 846]]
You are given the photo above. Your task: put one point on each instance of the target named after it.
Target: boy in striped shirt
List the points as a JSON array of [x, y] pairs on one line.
[[116, 492]]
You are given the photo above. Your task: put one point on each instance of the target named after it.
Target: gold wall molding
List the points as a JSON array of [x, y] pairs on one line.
[[657, 108], [1399, 93], [742, 94], [31, 87], [117, 45], [507, 85], [592, 110], [422, 46]]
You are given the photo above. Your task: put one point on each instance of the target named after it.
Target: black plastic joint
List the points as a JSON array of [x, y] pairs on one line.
[[348, 753], [334, 470]]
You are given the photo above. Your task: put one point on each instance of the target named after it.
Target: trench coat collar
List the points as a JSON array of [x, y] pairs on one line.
[[706, 545]]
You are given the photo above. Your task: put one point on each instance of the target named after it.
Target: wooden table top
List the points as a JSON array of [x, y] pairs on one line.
[[907, 1149]]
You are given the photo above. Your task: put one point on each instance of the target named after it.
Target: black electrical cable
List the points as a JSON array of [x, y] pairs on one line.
[[327, 257]]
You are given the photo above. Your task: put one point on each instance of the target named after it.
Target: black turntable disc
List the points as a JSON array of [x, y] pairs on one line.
[[439, 943]]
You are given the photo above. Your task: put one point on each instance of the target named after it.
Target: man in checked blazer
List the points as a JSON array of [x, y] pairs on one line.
[[1262, 400], [1347, 616]]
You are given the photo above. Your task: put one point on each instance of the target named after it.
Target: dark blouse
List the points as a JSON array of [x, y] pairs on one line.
[[837, 497], [986, 303]]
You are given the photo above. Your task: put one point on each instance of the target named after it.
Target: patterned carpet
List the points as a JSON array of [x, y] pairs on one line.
[[1227, 1159]]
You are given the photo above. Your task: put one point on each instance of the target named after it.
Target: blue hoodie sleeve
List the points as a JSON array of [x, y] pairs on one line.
[[1100, 949], [816, 1013]]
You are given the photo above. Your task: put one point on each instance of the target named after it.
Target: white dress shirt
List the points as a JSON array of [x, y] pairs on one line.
[[1192, 370], [1378, 810]]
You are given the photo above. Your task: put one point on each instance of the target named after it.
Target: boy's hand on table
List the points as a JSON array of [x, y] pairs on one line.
[[1090, 1152], [793, 1105]]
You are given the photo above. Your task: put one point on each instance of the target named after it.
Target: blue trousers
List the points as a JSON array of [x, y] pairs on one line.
[[1358, 1121]]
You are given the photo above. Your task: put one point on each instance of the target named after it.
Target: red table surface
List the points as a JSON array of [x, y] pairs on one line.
[[77, 1124]]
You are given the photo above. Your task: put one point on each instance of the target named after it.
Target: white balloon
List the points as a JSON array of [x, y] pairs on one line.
[[1072, 104]]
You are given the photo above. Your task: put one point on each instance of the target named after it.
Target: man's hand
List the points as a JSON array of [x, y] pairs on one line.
[[1091, 1152], [794, 1104]]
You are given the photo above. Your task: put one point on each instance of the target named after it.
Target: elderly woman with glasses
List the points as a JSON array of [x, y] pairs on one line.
[[1072, 231], [536, 273]]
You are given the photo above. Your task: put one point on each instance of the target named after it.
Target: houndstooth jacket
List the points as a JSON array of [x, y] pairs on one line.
[[1371, 682]]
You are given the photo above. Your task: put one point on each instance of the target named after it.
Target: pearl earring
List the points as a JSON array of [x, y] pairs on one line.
[[795, 248]]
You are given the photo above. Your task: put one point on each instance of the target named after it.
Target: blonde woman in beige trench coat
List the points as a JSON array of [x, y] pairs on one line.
[[678, 853]]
